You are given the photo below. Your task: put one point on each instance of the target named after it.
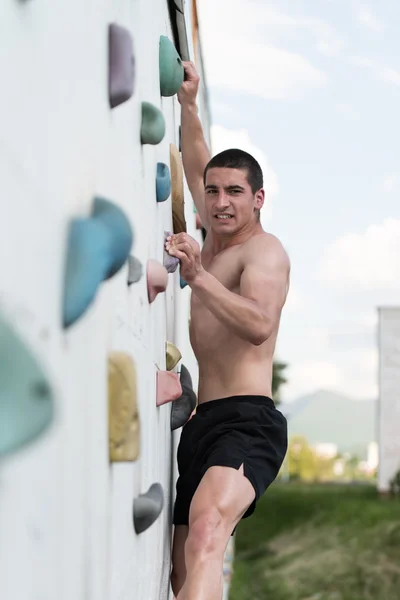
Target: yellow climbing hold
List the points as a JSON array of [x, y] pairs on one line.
[[172, 356], [123, 415]]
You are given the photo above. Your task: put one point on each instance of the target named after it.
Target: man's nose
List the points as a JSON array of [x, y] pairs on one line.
[[222, 201]]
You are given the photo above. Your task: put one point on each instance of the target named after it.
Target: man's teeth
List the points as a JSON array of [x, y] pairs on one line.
[[224, 216]]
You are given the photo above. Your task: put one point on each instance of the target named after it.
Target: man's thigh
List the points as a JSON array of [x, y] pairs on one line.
[[225, 489]]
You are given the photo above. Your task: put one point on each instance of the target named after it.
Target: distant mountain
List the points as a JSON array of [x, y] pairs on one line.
[[329, 417]]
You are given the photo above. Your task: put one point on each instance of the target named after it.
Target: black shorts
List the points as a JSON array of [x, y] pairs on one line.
[[230, 432]]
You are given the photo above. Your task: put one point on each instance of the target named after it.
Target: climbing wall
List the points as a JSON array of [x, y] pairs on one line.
[[90, 183], [389, 396]]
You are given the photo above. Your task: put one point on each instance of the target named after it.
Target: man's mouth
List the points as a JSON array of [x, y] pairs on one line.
[[223, 216]]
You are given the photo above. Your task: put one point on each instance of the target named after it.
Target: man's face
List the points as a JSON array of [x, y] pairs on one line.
[[229, 201]]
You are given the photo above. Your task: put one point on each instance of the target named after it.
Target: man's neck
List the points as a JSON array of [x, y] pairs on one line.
[[222, 242]]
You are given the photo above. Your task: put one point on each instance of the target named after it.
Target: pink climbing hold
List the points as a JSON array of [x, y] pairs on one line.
[[157, 279], [168, 387]]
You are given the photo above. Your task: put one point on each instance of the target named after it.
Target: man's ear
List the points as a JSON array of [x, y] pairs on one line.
[[260, 199]]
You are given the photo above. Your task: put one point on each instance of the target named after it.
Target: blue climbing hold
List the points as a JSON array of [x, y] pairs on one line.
[[26, 397], [119, 231], [97, 248], [163, 182]]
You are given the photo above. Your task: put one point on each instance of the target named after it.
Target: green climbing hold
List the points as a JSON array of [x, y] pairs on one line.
[[26, 398], [171, 68], [152, 130]]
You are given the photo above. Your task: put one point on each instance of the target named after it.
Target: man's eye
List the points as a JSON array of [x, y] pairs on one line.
[[211, 192]]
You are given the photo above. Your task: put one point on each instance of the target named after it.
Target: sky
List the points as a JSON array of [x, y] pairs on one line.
[[312, 90]]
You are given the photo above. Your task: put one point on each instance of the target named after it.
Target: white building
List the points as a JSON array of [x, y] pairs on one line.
[[389, 396], [66, 527]]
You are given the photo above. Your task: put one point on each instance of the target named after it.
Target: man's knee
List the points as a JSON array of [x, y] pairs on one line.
[[208, 534]]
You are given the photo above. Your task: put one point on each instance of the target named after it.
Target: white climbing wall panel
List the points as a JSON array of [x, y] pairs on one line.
[[66, 526], [389, 396]]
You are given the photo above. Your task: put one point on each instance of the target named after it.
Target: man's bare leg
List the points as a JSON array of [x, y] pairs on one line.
[[223, 496], [178, 574]]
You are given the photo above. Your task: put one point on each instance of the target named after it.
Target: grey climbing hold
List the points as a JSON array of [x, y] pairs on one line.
[[26, 396], [152, 129], [183, 407], [121, 65], [135, 270], [147, 508]]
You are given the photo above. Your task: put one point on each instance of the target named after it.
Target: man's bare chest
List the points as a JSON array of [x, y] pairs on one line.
[[226, 268]]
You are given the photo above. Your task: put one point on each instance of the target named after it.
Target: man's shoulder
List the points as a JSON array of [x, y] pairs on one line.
[[265, 245]]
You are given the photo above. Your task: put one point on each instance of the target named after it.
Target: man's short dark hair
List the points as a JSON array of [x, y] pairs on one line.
[[238, 159]]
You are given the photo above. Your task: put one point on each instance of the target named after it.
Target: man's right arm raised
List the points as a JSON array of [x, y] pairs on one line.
[[195, 153]]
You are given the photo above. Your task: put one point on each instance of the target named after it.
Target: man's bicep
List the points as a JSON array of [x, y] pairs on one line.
[[266, 285]]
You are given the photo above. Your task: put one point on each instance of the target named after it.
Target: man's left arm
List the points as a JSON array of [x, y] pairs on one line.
[[253, 315]]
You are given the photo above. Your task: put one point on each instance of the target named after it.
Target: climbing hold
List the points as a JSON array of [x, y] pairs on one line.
[[178, 202], [183, 407], [121, 65], [157, 279], [172, 356], [147, 508], [123, 416], [135, 269], [152, 130], [26, 397], [171, 68], [182, 283], [168, 387], [119, 231], [170, 262], [163, 182], [97, 248]]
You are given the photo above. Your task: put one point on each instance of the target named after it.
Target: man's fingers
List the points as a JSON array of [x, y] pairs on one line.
[[190, 71], [183, 247], [181, 255]]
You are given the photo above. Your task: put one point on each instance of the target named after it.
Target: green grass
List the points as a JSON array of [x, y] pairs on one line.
[[319, 542]]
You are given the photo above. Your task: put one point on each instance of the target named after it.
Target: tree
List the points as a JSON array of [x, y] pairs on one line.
[[278, 379]]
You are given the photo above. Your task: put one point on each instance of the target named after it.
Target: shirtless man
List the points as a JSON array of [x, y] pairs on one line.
[[233, 447]]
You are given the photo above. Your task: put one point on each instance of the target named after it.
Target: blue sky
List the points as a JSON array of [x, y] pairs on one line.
[[312, 89]]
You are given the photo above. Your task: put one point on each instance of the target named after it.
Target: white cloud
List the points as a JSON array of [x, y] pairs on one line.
[[348, 110], [391, 75], [364, 62], [294, 300], [388, 74], [222, 139], [389, 183], [369, 20], [330, 46], [367, 261], [236, 57]]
